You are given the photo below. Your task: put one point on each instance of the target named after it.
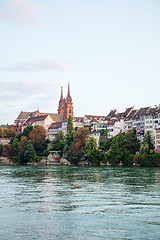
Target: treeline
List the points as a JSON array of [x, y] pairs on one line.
[[76, 146], [26, 146], [7, 133], [123, 149]]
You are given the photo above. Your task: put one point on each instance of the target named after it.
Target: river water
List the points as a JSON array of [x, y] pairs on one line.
[[80, 203]]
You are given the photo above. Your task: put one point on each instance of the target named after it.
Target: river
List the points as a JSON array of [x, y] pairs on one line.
[[80, 203]]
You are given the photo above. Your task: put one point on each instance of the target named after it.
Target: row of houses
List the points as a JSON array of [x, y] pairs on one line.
[[142, 120]]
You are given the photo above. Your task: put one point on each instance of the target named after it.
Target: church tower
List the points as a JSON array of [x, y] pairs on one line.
[[68, 105], [65, 105], [61, 107]]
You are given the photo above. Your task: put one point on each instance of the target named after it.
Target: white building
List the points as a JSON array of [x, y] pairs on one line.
[[45, 121], [54, 129]]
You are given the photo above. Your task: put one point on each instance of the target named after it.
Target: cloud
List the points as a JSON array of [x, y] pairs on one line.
[[16, 91], [21, 12], [37, 66], [27, 95]]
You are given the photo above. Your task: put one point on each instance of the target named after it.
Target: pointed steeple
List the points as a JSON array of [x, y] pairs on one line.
[[61, 92], [68, 98], [61, 107], [68, 90]]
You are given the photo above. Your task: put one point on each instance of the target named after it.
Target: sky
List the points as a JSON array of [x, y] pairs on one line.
[[108, 50]]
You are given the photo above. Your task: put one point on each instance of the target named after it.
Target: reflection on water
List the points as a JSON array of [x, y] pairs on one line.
[[40, 202]]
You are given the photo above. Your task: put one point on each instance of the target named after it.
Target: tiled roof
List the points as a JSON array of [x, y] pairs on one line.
[[141, 112], [55, 125], [93, 118], [55, 116], [112, 114], [131, 114], [32, 120], [77, 119], [23, 115], [120, 115], [153, 111]]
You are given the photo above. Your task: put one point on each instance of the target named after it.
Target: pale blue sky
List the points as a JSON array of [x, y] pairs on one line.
[[109, 51]]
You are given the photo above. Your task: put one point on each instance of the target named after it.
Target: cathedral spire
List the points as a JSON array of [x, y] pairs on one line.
[[61, 92], [68, 90]]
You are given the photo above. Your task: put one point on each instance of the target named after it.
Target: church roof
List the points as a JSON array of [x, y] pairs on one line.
[[32, 120], [55, 125], [55, 116], [23, 115]]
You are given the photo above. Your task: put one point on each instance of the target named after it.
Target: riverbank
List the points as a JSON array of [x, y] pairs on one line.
[[5, 161], [43, 161]]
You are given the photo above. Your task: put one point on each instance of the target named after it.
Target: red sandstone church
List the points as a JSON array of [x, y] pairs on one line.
[[65, 105]]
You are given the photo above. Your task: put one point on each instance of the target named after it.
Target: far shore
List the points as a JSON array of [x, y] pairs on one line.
[[5, 161]]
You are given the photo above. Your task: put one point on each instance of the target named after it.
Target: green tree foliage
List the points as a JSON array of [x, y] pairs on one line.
[[68, 141], [30, 154], [105, 142], [10, 133], [22, 143], [131, 146], [70, 124], [7, 150], [1, 149], [147, 144], [147, 160], [131, 142], [27, 130], [38, 138], [123, 147], [58, 143], [79, 140], [15, 145], [19, 135], [117, 149], [91, 150]]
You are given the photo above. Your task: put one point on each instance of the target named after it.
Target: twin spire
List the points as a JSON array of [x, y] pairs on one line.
[[68, 94], [65, 104]]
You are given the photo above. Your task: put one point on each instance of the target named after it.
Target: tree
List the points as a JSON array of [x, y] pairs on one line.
[[10, 133], [105, 143], [131, 146], [19, 135], [3, 132], [79, 140], [38, 138], [22, 143], [117, 149], [68, 141], [70, 124], [7, 150], [30, 154], [92, 152], [131, 142], [1, 149], [58, 143], [15, 145], [147, 144], [27, 130]]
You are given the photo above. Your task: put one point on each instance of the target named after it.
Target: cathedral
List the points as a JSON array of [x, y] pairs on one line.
[[65, 108], [65, 105]]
